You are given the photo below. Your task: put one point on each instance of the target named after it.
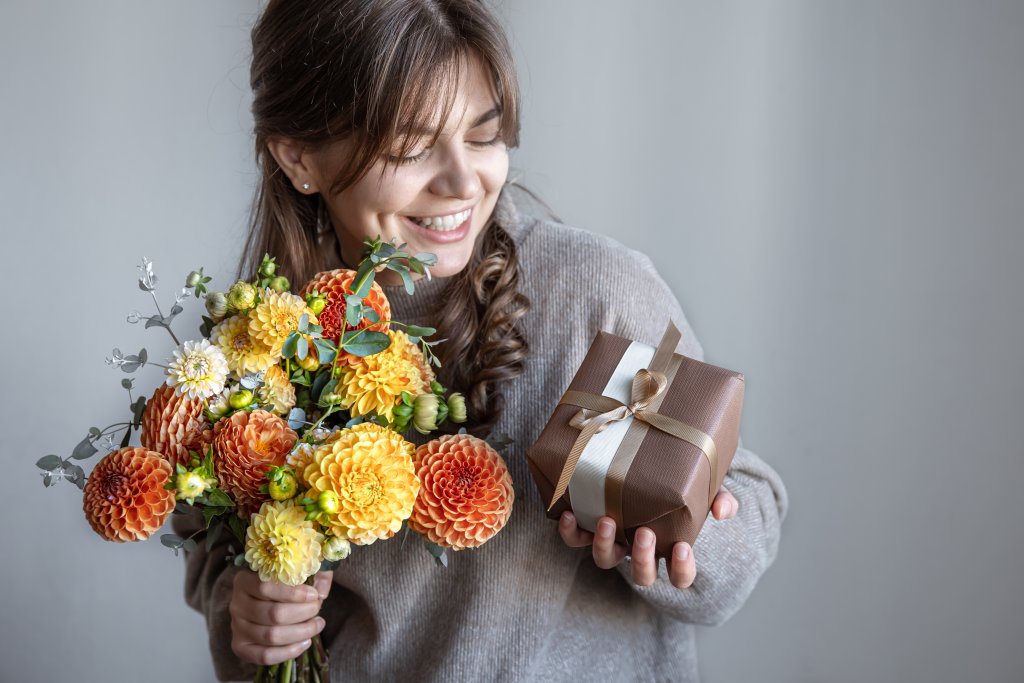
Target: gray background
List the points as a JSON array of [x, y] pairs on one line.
[[833, 190]]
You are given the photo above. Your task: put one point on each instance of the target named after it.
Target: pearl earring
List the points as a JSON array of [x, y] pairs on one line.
[[305, 186]]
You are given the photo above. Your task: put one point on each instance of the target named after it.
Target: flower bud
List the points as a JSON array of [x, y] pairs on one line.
[[188, 486], [327, 502], [317, 304], [457, 407], [436, 387], [268, 268], [217, 305], [242, 296], [310, 363], [240, 399], [329, 397], [193, 279], [424, 418], [336, 549], [280, 284], [283, 487]]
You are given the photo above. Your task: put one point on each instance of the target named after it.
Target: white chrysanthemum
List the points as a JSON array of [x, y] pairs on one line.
[[218, 405], [277, 392], [198, 369]]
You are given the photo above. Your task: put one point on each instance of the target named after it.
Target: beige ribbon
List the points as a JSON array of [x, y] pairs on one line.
[[600, 411]]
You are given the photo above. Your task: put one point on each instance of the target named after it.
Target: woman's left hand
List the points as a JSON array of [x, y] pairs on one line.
[[607, 553]]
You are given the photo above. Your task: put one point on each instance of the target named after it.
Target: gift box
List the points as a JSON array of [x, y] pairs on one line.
[[642, 434]]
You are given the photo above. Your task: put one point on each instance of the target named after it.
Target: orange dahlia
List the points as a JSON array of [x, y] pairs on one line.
[[125, 498], [375, 383], [172, 424], [246, 445], [334, 285], [465, 494], [369, 468]]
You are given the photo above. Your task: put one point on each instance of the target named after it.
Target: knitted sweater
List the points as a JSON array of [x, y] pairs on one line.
[[524, 606]]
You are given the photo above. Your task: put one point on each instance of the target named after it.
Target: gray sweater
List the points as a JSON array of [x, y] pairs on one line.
[[525, 607]]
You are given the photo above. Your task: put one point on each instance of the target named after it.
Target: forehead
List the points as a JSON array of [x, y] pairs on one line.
[[456, 97]]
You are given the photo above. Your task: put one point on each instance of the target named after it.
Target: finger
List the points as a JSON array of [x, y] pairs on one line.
[[571, 534], [276, 636], [322, 583], [266, 656], [250, 583], [607, 553], [272, 613], [683, 569], [725, 505], [645, 565]]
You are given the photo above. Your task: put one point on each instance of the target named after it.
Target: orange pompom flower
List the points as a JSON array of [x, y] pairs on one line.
[[246, 445], [125, 498], [334, 285], [172, 424], [465, 493]]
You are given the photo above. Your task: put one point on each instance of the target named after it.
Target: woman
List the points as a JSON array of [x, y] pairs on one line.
[[394, 118]]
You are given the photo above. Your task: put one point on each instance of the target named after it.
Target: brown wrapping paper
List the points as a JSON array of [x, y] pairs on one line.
[[655, 479]]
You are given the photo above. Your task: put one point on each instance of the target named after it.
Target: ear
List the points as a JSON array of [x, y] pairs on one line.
[[297, 161]]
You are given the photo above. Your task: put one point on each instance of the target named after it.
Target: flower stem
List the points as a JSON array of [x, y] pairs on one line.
[[166, 327]]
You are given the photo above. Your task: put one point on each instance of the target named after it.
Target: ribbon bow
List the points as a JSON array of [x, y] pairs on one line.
[[600, 411]]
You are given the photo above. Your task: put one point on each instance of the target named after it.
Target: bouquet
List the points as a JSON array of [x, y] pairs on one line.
[[283, 426]]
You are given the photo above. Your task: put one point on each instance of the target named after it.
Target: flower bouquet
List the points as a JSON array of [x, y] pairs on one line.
[[282, 425]]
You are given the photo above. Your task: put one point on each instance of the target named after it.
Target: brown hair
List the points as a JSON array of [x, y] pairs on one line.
[[372, 71]]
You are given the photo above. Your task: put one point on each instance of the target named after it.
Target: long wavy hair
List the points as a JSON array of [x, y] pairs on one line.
[[372, 71]]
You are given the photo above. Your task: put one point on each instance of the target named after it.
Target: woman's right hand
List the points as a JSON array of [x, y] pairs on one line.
[[272, 622]]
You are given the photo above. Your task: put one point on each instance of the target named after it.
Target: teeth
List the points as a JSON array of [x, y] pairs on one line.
[[444, 223]]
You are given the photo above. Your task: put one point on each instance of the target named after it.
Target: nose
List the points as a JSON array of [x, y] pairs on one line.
[[456, 176]]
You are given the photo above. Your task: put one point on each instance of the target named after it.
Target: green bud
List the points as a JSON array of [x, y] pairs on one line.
[[283, 487], [280, 284], [424, 418], [436, 387], [336, 549], [193, 279], [240, 399], [316, 304], [327, 502], [268, 268], [457, 407], [242, 296], [217, 305]]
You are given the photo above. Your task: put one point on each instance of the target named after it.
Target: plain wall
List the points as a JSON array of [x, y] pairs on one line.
[[834, 191]]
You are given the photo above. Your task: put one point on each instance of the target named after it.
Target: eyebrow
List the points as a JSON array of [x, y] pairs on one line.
[[491, 114]]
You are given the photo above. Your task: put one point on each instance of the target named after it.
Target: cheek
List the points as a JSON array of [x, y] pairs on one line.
[[494, 169]]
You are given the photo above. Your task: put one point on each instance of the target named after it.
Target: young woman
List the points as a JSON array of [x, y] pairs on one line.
[[394, 118]]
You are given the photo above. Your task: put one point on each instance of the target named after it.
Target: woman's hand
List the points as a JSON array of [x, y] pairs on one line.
[[607, 553], [272, 622]]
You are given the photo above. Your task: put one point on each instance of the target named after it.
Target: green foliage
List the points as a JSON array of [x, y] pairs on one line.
[[439, 553], [364, 342]]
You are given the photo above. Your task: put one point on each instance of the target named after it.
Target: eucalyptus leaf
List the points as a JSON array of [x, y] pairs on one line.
[[416, 267], [354, 313], [189, 544], [365, 270], [213, 534], [366, 344], [303, 322], [126, 438], [426, 258], [371, 315], [127, 383], [219, 499], [386, 250], [49, 462], [47, 481], [325, 350], [175, 310], [296, 418], [171, 540], [417, 331], [84, 449], [237, 527], [74, 473], [354, 421], [94, 432], [138, 408], [155, 321], [239, 560], [319, 383], [143, 356], [212, 511], [407, 281], [288, 349], [144, 287], [439, 554], [302, 348]]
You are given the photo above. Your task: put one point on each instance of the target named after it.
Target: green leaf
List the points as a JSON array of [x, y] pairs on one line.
[[290, 344], [365, 270], [303, 323], [426, 258], [366, 344], [189, 544], [353, 311], [319, 382], [138, 408], [239, 560], [371, 315], [127, 383], [213, 534], [210, 512], [407, 281], [181, 508], [219, 498], [302, 348], [417, 331], [84, 449], [326, 351], [126, 438], [416, 267], [296, 418], [171, 541], [386, 250], [237, 527], [439, 554], [49, 462]]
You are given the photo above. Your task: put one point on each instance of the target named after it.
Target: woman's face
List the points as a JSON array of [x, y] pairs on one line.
[[436, 199]]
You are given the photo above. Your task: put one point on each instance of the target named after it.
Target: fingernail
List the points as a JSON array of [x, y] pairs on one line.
[[312, 594], [726, 508], [568, 519], [606, 529], [644, 539], [682, 551], [305, 644], [320, 623]]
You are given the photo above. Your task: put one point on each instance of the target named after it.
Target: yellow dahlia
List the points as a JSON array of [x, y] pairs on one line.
[[125, 498], [244, 353], [198, 369], [302, 455], [277, 391], [276, 316], [466, 494], [375, 383], [282, 545], [370, 470]]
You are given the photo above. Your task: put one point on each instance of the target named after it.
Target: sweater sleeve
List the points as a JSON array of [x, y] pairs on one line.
[[208, 584], [730, 555]]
